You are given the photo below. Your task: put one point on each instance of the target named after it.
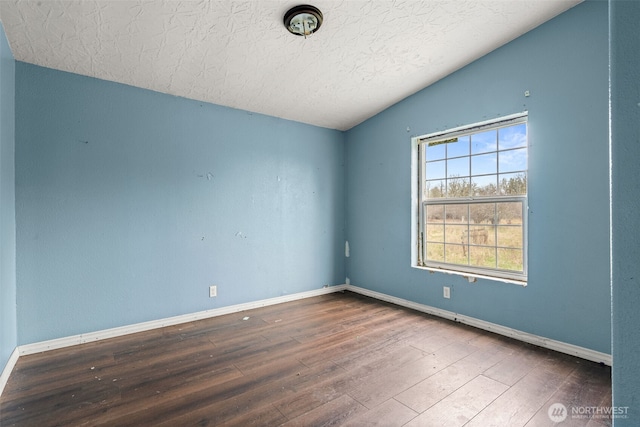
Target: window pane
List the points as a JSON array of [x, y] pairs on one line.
[[435, 252], [435, 213], [435, 233], [458, 167], [484, 164], [484, 185], [456, 254], [460, 148], [510, 259], [513, 184], [457, 213], [510, 236], [480, 256], [509, 213], [436, 189], [436, 170], [456, 234], [512, 136], [484, 142], [482, 235], [458, 187], [435, 151], [482, 213], [512, 160]]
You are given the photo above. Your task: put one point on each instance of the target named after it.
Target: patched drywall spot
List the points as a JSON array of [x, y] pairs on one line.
[[209, 176]]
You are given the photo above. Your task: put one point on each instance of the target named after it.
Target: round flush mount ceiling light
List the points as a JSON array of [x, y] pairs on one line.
[[303, 20]]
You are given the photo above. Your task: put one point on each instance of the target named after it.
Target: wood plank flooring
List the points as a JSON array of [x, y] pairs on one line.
[[338, 359]]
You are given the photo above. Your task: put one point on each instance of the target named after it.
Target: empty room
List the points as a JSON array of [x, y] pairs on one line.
[[392, 213]]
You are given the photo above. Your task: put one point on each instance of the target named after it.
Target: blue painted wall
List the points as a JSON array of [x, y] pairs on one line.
[[8, 319], [564, 65], [625, 150], [131, 203]]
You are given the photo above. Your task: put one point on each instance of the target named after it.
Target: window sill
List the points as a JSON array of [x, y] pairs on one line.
[[471, 277]]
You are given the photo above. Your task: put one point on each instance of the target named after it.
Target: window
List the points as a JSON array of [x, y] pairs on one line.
[[471, 202]]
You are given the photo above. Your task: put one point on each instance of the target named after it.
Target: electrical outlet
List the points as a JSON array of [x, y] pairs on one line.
[[446, 292], [213, 291]]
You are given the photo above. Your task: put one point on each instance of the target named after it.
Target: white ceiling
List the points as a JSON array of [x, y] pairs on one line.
[[367, 55]]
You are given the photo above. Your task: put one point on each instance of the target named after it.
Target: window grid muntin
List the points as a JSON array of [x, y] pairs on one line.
[[471, 175], [514, 274]]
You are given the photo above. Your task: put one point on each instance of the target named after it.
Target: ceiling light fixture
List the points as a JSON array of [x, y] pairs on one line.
[[303, 20]]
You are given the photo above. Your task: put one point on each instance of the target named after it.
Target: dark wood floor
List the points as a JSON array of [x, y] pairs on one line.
[[338, 359]]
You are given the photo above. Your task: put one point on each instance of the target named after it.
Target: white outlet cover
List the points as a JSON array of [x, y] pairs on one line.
[[446, 292], [213, 291]]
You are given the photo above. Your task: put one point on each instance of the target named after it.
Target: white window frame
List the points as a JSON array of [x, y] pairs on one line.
[[418, 248]]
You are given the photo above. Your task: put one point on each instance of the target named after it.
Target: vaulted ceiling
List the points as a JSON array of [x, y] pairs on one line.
[[367, 55]]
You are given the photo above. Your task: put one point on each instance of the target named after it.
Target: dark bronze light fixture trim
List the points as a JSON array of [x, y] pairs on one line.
[[303, 20]]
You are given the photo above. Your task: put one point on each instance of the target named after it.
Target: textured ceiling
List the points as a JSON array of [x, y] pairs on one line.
[[366, 56]]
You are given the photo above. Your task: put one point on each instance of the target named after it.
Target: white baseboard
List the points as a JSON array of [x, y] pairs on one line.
[[8, 368], [562, 347], [169, 321]]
